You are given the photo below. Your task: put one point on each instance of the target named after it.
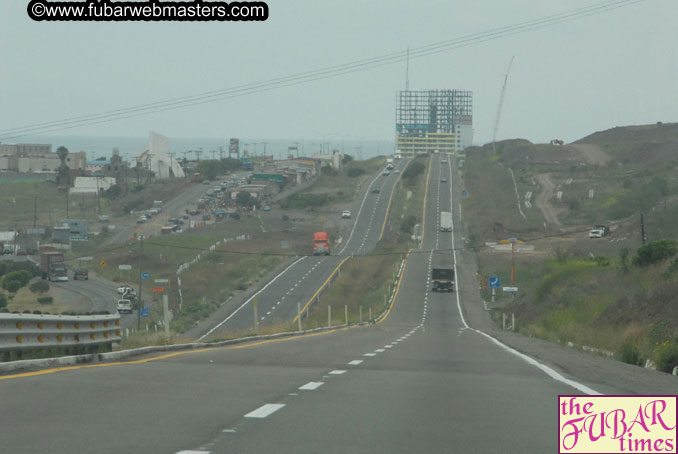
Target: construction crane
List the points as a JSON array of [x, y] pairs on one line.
[[501, 103]]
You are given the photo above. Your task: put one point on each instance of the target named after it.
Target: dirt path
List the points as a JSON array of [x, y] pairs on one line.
[[542, 201], [592, 154]]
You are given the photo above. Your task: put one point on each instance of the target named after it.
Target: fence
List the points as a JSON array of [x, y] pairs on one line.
[[75, 334]]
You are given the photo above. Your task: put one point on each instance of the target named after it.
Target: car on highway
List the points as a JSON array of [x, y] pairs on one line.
[[443, 180], [141, 219], [80, 273], [386, 172], [376, 190], [346, 214], [444, 161], [124, 306]]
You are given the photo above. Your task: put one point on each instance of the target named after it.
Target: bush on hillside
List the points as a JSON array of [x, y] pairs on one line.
[[630, 354], [39, 287], [667, 358], [413, 171], [655, 252], [11, 286], [3, 300]]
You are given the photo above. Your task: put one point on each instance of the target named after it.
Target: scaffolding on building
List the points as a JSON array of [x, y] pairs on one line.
[[430, 120]]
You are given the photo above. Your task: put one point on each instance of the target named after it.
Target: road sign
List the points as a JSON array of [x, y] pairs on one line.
[[510, 289], [464, 192], [494, 282], [124, 267], [86, 259], [144, 276], [161, 281], [102, 263], [158, 289], [79, 237], [144, 311]]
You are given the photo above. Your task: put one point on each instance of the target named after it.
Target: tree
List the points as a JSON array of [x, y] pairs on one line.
[[64, 173], [11, 286], [3, 300], [655, 252], [22, 277], [112, 193], [245, 199]]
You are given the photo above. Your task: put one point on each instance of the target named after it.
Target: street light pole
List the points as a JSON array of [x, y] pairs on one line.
[[141, 249]]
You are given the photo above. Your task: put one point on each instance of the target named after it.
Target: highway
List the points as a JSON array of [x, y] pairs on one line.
[[427, 379], [277, 302]]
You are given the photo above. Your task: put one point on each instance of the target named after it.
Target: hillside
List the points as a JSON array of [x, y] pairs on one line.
[[573, 289]]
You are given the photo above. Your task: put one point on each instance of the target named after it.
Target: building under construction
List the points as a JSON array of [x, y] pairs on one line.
[[433, 120]]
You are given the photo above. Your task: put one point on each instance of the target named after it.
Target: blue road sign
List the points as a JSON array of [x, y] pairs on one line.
[[144, 311], [144, 276], [464, 192], [494, 282]]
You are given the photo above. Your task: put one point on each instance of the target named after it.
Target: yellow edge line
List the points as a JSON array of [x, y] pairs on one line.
[[388, 208], [171, 355], [423, 218], [319, 290], [395, 296]]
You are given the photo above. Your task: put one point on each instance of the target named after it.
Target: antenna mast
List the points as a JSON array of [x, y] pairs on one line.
[[501, 103]]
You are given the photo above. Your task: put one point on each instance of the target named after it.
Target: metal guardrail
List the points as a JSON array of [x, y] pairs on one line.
[[24, 332]]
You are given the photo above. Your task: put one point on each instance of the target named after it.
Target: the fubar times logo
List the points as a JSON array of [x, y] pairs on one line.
[[617, 424]]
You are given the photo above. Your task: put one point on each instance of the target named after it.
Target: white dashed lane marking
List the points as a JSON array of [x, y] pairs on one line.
[[356, 362], [264, 411], [310, 386], [337, 372]]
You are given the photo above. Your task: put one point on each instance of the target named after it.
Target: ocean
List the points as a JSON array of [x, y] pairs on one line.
[[130, 147]]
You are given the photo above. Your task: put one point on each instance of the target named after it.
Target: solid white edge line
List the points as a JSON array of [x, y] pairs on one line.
[[248, 300], [544, 368], [264, 411], [367, 192]]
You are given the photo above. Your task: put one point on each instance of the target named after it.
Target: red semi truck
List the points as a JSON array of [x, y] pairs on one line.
[[321, 243], [52, 266]]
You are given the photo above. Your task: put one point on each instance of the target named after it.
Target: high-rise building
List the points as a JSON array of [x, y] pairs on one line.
[[433, 120]]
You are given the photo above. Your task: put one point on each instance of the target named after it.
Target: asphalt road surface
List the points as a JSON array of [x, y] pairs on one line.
[[428, 379], [277, 302]]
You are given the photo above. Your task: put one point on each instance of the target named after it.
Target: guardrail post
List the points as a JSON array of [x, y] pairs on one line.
[[370, 314], [503, 321], [361, 314], [299, 318], [513, 321], [346, 313], [329, 315]]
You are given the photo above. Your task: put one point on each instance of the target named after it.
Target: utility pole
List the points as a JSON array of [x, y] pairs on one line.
[[642, 228], [35, 210], [141, 250], [98, 202]]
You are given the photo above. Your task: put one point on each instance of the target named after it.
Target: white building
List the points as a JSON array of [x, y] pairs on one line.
[[90, 185], [156, 158]]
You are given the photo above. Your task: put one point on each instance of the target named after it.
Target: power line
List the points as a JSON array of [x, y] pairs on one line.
[[314, 75]]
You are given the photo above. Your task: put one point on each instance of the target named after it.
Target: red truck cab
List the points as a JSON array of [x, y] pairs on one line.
[[321, 243]]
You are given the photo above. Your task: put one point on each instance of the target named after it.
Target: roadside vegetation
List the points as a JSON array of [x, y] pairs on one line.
[[614, 295]]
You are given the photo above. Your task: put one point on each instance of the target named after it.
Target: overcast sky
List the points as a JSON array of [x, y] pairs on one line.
[[567, 80]]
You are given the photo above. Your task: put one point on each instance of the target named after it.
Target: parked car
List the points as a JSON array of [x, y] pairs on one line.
[[80, 273], [267, 208], [346, 214]]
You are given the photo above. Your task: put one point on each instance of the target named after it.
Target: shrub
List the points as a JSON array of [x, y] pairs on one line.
[[45, 300], [355, 172], [601, 261], [235, 215], [39, 287], [407, 225], [413, 171], [3, 300], [630, 354], [11, 286], [329, 171], [655, 252], [667, 358], [23, 277]]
